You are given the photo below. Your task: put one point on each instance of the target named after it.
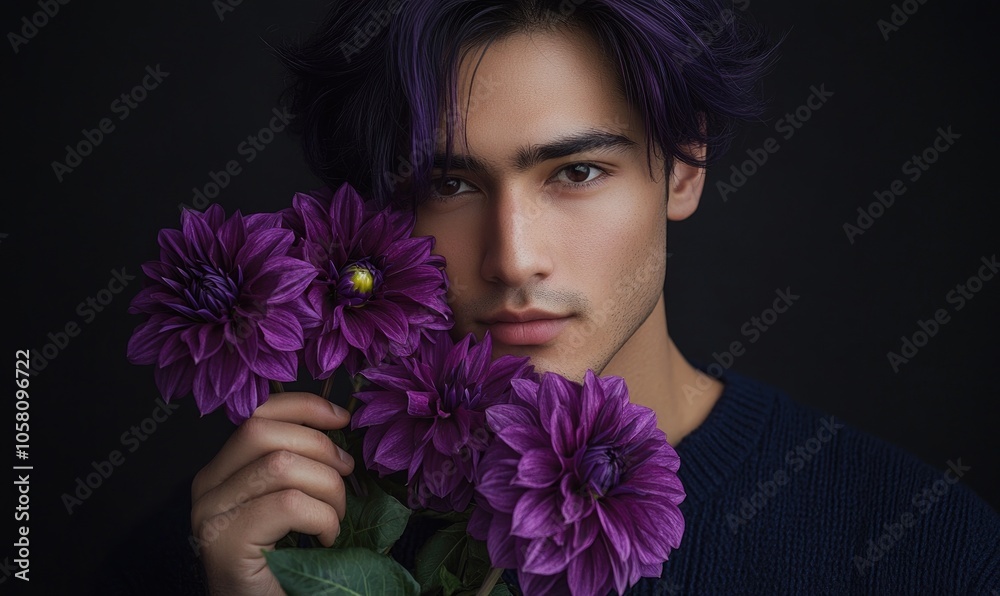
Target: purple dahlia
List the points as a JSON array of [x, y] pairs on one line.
[[579, 491], [425, 414], [376, 289], [223, 302]]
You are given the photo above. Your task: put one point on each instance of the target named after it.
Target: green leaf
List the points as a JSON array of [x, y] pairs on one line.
[[442, 551], [476, 562], [375, 521], [448, 516], [338, 437], [449, 583], [500, 589], [349, 571]]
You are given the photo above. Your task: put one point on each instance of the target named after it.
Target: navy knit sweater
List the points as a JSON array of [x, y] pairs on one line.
[[781, 499]]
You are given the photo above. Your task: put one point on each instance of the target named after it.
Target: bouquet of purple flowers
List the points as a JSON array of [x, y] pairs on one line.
[[567, 483]]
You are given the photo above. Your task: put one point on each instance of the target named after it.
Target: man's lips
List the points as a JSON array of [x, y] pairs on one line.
[[525, 328]]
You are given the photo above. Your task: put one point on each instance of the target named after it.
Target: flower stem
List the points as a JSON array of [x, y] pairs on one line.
[[490, 581], [277, 387]]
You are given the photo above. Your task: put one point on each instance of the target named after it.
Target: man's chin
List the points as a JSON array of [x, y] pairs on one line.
[[545, 358]]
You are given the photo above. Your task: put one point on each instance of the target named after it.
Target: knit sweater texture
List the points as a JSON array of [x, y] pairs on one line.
[[781, 499]]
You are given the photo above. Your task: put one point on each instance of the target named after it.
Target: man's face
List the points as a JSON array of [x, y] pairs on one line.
[[553, 230]]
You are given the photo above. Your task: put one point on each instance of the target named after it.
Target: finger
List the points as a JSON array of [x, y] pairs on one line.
[[242, 532], [303, 408], [276, 471], [257, 437]]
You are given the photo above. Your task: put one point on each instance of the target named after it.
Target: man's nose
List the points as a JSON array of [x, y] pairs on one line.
[[517, 245]]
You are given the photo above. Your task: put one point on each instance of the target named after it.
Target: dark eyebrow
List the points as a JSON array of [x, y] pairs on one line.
[[528, 157]]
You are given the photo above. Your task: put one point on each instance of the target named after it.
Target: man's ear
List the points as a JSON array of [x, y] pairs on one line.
[[684, 186]]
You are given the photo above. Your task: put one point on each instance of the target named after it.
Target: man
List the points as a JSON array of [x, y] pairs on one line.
[[547, 169]]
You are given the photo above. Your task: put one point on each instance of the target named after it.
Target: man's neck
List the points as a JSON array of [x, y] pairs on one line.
[[660, 378]]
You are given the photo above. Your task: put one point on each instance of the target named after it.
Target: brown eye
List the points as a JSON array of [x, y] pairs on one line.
[[580, 173], [449, 187]]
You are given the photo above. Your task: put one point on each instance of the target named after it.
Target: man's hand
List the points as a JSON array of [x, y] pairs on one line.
[[277, 473]]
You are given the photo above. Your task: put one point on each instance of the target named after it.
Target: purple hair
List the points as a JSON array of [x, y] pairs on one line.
[[369, 87]]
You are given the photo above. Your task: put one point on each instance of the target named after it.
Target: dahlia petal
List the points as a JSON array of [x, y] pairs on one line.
[[389, 320], [544, 557], [227, 372], [172, 349], [562, 430], [313, 216], [390, 376], [282, 331], [553, 391], [325, 354], [202, 341], [587, 574], [199, 237], [495, 487], [448, 436], [175, 380], [144, 345], [523, 438], [458, 354], [347, 208], [592, 397], [274, 365], [502, 416], [526, 390], [616, 528], [245, 400], [379, 408], [536, 515], [479, 523], [281, 279], [172, 246], [205, 395], [500, 544], [538, 468], [358, 330], [232, 234], [418, 403], [409, 252], [584, 533], [396, 445], [533, 583], [501, 372], [260, 245]]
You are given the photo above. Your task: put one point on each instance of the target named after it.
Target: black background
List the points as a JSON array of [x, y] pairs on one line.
[[782, 228]]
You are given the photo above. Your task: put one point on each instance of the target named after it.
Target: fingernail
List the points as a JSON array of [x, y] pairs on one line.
[[345, 456], [338, 410]]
